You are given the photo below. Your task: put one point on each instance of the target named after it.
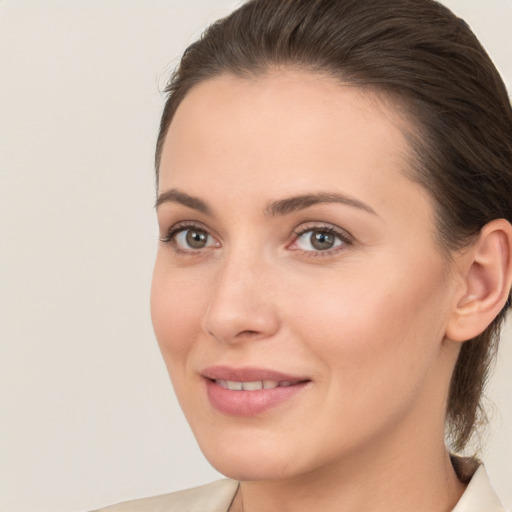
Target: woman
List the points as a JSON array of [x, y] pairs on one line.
[[335, 259]]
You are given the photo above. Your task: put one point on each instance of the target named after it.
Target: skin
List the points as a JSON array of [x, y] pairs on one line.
[[365, 321]]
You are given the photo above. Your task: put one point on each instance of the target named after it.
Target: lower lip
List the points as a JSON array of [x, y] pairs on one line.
[[249, 403]]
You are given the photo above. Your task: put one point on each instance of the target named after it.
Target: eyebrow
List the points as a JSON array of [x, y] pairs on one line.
[[175, 196], [274, 209], [293, 204]]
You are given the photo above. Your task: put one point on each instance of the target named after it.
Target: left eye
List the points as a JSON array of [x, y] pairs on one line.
[[193, 238], [318, 240]]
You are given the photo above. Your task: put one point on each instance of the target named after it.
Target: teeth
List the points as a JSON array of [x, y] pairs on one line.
[[253, 385]]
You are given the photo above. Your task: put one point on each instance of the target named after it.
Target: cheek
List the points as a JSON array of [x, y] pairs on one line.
[[369, 326], [176, 311], [376, 339]]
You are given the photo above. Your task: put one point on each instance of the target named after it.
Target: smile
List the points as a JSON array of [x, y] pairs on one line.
[[252, 385], [250, 391]]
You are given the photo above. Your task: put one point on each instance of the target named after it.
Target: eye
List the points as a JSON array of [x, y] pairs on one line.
[[190, 238], [319, 239]]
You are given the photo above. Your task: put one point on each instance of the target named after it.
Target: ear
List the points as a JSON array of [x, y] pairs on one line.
[[486, 270]]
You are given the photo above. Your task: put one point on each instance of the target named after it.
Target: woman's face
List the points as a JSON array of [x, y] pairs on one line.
[[297, 262]]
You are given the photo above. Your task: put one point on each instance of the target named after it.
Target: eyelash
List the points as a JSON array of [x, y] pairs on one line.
[[170, 237], [345, 238]]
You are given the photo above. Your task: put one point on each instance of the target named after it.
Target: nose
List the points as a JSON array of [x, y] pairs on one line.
[[241, 306]]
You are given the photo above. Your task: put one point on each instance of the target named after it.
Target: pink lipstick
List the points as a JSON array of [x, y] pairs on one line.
[[249, 391]]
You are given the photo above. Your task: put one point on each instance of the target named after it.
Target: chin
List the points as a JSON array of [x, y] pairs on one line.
[[248, 460], [244, 468]]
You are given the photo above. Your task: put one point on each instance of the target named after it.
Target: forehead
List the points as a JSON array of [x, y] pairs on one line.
[[283, 133], [294, 93], [276, 110]]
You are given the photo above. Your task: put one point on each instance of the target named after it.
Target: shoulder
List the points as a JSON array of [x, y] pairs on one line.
[[213, 497]]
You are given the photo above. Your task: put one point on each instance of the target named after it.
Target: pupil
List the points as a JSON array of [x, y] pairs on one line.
[[321, 240], [196, 239]]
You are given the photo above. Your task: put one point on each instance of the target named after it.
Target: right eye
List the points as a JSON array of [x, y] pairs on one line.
[[189, 238]]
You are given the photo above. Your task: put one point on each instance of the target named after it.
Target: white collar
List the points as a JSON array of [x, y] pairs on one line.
[[479, 495]]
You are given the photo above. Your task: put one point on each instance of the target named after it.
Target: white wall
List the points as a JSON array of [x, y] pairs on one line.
[[87, 416]]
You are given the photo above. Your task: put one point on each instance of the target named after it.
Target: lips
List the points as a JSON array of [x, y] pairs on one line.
[[252, 385], [249, 391]]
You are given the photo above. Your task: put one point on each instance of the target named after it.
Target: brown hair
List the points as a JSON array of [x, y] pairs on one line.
[[420, 54]]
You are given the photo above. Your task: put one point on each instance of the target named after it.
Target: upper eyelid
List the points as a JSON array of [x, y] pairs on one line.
[[302, 228], [183, 225], [327, 226]]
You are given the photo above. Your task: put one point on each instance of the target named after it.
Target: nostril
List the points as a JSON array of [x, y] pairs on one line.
[[248, 333]]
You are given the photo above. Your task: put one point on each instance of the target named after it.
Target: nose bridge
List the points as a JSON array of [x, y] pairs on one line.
[[240, 304]]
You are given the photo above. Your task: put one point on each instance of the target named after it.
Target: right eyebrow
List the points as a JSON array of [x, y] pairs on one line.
[[175, 196]]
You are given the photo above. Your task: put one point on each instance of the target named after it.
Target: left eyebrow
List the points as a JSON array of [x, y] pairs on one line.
[[296, 203]]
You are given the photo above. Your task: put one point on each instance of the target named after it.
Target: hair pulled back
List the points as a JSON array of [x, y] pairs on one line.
[[419, 55]]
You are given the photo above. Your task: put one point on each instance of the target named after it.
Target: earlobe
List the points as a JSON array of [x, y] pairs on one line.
[[487, 274]]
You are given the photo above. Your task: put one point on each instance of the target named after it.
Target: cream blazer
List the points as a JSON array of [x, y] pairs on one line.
[[217, 497]]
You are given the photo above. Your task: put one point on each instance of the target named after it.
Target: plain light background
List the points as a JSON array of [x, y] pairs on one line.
[[87, 415]]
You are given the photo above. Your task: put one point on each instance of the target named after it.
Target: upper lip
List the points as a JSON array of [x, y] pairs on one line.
[[248, 374]]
